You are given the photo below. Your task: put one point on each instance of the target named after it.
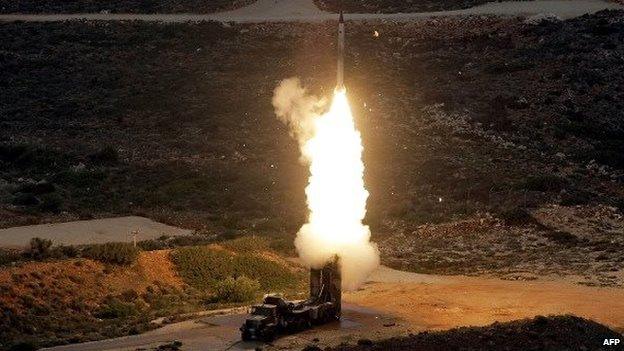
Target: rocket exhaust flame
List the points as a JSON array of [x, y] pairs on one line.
[[336, 196], [332, 147]]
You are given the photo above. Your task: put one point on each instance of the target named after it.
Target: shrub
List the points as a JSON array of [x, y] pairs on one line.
[[173, 346], [51, 203], [39, 248], [247, 244], [203, 267], [516, 216], [239, 289], [9, 256], [117, 309], [116, 253], [25, 199], [271, 275], [561, 237], [107, 155], [39, 188], [575, 197], [67, 251], [24, 346], [545, 183]]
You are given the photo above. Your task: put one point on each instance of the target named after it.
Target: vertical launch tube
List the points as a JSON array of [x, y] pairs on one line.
[[341, 49]]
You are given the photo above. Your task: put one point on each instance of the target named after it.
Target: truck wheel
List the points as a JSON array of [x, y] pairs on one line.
[[269, 336]]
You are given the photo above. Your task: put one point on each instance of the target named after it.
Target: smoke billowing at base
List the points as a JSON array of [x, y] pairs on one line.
[[332, 148]]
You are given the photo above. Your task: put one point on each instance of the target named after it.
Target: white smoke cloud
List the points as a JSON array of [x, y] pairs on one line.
[[331, 145], [297, 109]]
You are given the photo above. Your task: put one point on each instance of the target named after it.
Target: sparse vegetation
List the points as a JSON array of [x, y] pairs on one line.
[[203, 267], [116, 253], [104, 303], [39, 248], [393, 6], [239, 289], [248, 244], [115, 308], [131, 6], [499, 150]]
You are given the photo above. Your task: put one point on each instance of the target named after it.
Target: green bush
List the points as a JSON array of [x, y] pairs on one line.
[[39, 248], [9, 256], [247, 244], [241, 289], [116, 308], [116, 253], [203, 267], [51, 203]]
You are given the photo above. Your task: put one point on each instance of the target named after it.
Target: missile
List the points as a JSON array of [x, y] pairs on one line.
[[341, 48]]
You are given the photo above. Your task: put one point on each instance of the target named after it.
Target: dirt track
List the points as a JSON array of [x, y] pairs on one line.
[[306, 11]]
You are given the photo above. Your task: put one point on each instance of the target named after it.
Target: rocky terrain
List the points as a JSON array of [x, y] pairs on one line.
[[491, 128], [115, 6], [393, 6], [552, 241]]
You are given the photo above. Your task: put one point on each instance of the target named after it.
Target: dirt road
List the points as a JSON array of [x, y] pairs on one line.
[[94, 231], [306, 11], [221, 333], [395, 303]]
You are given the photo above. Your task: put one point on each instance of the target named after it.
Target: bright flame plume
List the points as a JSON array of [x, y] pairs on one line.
[[336, 195]]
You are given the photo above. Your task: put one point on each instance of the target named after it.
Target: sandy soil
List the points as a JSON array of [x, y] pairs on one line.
[[89, 232], [396, 303], [85, 279], [441, 302], [306, 11]]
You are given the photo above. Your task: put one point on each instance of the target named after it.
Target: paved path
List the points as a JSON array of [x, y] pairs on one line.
[[306, 11], [220, 333], [94, 231]]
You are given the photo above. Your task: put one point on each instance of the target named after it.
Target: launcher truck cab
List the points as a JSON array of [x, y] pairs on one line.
[[277, 315]]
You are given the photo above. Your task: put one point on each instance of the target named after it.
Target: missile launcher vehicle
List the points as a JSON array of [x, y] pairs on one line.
[[276, 315]]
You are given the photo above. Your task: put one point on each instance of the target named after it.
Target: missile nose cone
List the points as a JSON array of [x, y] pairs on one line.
[[341, 20]]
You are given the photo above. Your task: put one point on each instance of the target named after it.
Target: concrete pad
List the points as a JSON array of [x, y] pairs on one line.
[[96, 231]]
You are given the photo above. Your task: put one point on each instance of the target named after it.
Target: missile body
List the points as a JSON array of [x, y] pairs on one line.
[[341, 49]]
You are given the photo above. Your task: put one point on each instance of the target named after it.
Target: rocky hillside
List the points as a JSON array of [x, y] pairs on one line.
[[393, 6], [115, 6], [461, 118]]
